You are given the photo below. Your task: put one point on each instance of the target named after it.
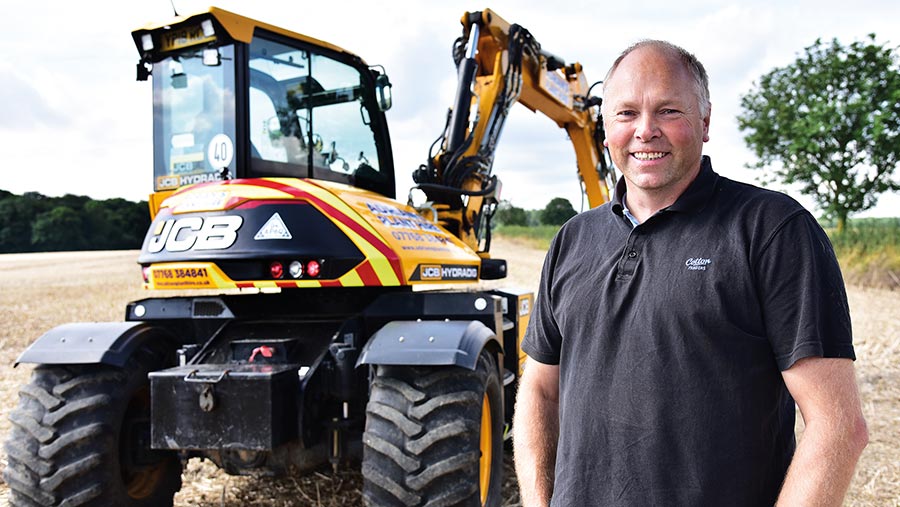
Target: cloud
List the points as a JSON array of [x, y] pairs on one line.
[[22, 106]]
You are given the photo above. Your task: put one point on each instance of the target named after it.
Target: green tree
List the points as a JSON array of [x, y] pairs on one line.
[[507, 214], [830, 122], [34, 222], [130, 221], [97, 221], [557, 211], [58, 229], [71, 201], [16, 216], [115, 224]]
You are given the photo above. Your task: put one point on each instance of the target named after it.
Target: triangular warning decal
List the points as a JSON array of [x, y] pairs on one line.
[[273, 229]]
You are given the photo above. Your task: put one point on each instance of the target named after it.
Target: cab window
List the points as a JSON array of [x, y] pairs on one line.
[[308, 117], [193, 106]]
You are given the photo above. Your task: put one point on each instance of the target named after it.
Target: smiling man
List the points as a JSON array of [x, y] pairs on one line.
[[677, 326], [658, 120]]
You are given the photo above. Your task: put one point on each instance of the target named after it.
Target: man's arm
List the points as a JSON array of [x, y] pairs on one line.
[[835, 434], [536, 431]]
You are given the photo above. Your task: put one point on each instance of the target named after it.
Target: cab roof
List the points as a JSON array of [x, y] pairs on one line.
[[239, 28]]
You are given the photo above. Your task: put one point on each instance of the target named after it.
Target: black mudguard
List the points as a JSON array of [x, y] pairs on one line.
[[429, 343], [109, 343]]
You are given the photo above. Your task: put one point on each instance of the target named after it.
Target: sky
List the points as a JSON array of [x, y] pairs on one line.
[[73, 119]]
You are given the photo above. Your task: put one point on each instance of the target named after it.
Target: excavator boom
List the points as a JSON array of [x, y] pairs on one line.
[[500, 64]]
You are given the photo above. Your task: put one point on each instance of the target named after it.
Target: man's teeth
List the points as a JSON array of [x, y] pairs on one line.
[[648, 156]]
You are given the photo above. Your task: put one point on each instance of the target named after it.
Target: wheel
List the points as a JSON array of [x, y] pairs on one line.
[[434, 436], [81, 435]]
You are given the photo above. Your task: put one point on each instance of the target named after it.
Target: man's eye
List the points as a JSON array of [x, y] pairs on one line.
[[625, 113], [669, 111]]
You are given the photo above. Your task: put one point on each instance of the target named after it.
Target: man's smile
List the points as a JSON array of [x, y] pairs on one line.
[[649, 155]]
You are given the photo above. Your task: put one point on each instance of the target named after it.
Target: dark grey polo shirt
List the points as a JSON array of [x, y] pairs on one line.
[[671, 337]]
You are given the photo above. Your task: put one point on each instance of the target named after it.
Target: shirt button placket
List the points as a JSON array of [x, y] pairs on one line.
[[630, 255]]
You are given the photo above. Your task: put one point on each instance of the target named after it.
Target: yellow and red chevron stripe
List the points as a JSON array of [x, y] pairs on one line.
[[395, 240], [206, 275], [220, 196], [383, 261], [382, 267]]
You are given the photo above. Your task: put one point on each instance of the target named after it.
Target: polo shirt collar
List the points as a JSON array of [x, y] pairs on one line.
[[618, 206], [698, 193], [700, 190]]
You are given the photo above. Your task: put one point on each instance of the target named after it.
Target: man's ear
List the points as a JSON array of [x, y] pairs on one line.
[[706, 124]]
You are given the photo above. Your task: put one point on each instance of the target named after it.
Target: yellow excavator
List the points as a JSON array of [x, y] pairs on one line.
[[317, 319]]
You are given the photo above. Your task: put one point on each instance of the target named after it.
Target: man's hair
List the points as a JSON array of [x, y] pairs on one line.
[[687, 59]]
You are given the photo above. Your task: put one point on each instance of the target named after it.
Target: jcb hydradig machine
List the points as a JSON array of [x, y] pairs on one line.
[[334, 323]]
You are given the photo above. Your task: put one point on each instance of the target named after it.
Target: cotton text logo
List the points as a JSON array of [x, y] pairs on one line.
[[697, 263]]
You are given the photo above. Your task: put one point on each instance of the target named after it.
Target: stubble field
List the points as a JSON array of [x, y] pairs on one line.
[[40, 291]]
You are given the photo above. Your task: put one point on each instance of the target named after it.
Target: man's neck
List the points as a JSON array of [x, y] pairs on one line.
[[642, 206], [644, 203]]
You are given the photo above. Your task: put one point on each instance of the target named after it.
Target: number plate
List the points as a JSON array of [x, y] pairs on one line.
[[184, 36]]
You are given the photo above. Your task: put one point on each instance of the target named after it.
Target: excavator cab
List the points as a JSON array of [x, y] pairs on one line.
[[234, 100]]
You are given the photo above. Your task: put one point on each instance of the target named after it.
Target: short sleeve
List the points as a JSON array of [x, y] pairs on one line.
[[543, 340], [801, 290]]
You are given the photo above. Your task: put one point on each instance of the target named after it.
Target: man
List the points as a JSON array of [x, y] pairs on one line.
[[677, 326]]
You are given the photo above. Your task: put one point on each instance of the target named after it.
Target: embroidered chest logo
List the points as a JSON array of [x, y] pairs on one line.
[[697, 263]]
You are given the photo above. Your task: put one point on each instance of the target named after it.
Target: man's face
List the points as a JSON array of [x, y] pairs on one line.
[[654, 127]]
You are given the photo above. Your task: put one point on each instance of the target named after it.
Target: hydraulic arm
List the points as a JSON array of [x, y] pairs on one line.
[[500, 64]]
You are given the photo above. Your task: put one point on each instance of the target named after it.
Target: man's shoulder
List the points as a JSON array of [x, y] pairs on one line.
[[603, 212], [752, 198], [587, 224], [588, 229]]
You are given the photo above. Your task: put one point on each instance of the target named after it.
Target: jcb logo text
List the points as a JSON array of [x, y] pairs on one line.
[[195, 233]]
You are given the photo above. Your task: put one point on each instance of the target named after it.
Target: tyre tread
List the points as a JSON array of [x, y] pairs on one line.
[[452, 429], [438, 402], [70, 470], [31, 426], [63, 447], [87, 382], [24, 486], [403, 388], [409, 427], [76, 407], [421, 439], [17, 452], [389, 485], [389, 450], [70, 438], [41, 395]]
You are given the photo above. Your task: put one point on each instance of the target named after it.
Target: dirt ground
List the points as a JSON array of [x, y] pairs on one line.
[[40, 291]]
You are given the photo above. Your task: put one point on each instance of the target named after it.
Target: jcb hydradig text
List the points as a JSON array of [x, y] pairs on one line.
[[334, 323]]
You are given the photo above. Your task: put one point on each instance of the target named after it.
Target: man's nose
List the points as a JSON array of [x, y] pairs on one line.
[[646, 128]]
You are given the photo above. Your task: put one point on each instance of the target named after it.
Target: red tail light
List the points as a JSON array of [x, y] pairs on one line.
[[276, 269]]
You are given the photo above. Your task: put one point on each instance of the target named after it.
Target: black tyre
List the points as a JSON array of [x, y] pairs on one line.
[[434, 436], [80, 437]]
